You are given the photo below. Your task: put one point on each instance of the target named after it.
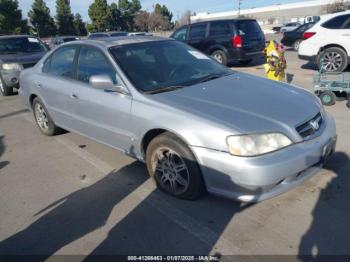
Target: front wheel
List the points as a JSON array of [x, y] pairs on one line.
[[43, 119], [4, 89], [333, 59], [174, 168]]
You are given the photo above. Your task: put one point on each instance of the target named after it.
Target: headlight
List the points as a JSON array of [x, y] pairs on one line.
[[254, 145], [11, 67]]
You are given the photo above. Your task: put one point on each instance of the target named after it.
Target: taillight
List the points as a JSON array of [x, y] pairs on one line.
[[308, 35], [237, 41]]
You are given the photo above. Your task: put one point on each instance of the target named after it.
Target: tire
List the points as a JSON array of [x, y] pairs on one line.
[[174, 168], [43, 119], [220, 57], [296, 45], [245, 62], [328, 98], [4, 89], [324, 60]]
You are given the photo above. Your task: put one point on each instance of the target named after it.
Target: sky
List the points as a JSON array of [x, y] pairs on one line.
[[177, 7]]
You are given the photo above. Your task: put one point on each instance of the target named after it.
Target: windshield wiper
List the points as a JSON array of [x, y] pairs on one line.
[[212, 77], [163, 89]]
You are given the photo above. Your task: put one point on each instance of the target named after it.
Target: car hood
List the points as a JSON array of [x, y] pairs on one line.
[[22, 58], [245, 103]]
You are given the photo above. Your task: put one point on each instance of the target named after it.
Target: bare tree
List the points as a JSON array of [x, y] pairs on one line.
[[141, 20], [185, 19], [157, 22], [337, 6]]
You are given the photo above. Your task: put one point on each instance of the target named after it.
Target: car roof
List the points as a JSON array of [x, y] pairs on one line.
[[15, 36], [107, 42]]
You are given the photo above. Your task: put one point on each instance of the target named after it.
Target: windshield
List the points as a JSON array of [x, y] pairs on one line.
[[21, 45], [158, 65], [94, 36]]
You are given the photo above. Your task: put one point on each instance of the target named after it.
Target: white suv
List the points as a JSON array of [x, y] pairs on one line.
[[327, 43]]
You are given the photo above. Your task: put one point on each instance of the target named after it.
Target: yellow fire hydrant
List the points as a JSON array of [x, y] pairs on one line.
[[275, 62]]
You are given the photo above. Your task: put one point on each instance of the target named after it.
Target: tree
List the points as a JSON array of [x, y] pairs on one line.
[[41, 19], [185, 19], [164, 11], [11, 18], [141, 20], [337, 6], [64, 18], [79, 25], [116, 22], [100, 16], [128, 11]]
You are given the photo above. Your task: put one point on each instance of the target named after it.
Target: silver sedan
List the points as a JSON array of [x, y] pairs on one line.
[[196, 124]]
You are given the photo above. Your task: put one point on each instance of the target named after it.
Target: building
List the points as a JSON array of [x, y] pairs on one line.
[[275, 14]]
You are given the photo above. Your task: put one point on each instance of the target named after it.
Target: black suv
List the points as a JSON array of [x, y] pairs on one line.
[[239, 40]]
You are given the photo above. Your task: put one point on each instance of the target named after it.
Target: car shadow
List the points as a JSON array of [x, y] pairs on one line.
[[330, 228], [159, 224], [15, 113], [2, 151], [256, 62]]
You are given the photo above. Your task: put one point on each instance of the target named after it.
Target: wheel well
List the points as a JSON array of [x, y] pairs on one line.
[[332, 45], [31, 99], [149, 136]]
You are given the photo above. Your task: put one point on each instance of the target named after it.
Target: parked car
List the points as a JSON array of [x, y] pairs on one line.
[[277, 29], [139, 34], [294, 38], [17, 53], [197, 124], [289, 27], [58, 40], [328, 42], [107, 34], [240, 40]]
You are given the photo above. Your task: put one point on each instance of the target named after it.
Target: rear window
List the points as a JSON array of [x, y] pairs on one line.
[[336, 22], [198, 31], [248, 28], [17, 45], [220, 28], [69, 39]]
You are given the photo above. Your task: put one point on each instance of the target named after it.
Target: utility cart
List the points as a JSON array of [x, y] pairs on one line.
[[330, 86]]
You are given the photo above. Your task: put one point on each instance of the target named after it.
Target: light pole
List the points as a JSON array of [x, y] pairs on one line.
[[239, 7]]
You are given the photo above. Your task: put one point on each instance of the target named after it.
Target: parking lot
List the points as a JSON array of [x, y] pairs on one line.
[[70, 195]]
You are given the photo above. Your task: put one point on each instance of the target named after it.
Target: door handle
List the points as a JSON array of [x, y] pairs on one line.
[[75, 96], [39, 85]]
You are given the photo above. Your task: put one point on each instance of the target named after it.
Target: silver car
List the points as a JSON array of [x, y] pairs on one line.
[[197, 125]]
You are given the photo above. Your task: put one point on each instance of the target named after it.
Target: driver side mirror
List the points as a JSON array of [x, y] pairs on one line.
[[105, 83]]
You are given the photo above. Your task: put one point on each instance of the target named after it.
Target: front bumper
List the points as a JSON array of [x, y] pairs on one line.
[[256, 179], [11, 78]]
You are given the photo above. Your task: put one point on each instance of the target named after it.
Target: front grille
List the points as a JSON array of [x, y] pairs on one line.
[[311, 127], [28, 65]]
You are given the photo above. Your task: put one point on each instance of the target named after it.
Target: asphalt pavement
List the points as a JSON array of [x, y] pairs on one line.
[[70, 195]]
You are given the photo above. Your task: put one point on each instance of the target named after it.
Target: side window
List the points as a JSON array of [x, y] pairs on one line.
[[62, 62], [198, 31], [92, 62], [181, 34], [46, 66], [347, 26], [336, 22], [220, 28]]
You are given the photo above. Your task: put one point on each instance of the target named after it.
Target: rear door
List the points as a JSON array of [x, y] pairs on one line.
[[198, 37], [252, 36], [55, 85], [220, 35]]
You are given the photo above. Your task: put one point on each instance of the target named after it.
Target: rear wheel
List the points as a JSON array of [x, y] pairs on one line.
[[43, 119], [333, 59], [296, 45], [220, 57], [328, 98], [4, 89], [174, 168]]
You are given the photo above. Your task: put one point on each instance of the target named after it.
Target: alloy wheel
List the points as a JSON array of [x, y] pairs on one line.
[[332, 61], [41, 117], [171, 171]]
